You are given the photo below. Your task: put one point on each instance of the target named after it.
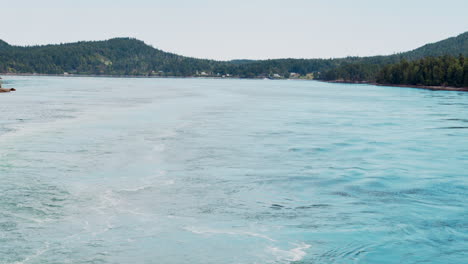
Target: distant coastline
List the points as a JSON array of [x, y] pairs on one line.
[[93, 75], [434, 88], [443, 63], [147, 76]]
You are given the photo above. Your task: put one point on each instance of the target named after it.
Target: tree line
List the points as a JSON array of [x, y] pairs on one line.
[[431, 64], [430, 71]]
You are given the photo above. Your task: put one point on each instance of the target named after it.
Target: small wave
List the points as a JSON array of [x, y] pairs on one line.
[[454, 127], [343, 194], [277, 206], [458, 119], [308, 150], [346, 253], [313, 206]]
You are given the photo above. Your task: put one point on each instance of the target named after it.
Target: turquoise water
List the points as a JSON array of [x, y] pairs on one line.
[[102, 170]]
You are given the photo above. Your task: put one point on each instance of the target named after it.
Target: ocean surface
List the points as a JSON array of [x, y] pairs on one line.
[[201, 171]]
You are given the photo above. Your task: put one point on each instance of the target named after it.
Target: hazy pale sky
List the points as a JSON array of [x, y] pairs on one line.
[[250, 29]]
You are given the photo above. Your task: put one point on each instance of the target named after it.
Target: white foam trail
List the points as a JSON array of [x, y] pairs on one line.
[[227, 232], [138, 188], [295, 254], [148, 186], [159, 148], [31, 219], [38, 127], [38, 253]]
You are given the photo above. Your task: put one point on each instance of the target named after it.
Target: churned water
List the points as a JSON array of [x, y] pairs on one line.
[[108, 170]]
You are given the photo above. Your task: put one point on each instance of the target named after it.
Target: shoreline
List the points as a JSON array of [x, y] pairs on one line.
[[433, 88], [151, 77], [96, 75], [139, 76]]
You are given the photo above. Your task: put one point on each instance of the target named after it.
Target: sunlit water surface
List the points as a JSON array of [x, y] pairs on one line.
[[200, 171]]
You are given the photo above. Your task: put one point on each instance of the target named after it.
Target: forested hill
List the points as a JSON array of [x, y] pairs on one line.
[[429, 71], [126, 56], [367, 69], [119, 56], [451, 46]]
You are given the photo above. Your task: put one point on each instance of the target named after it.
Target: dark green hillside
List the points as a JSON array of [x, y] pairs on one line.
[[430, 71], [365, 69], [126, 56], [451, 46], [120, 56], [3, 44]]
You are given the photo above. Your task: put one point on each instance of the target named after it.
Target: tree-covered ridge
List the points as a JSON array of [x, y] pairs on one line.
[[126, 56], [367, 69], [430, 71], [451, 46], [120, 56]]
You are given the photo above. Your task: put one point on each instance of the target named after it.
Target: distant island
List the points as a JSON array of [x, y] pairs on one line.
[[440, 64]]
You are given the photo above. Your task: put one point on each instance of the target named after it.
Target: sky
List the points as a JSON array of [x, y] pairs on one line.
[[240, 29]]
